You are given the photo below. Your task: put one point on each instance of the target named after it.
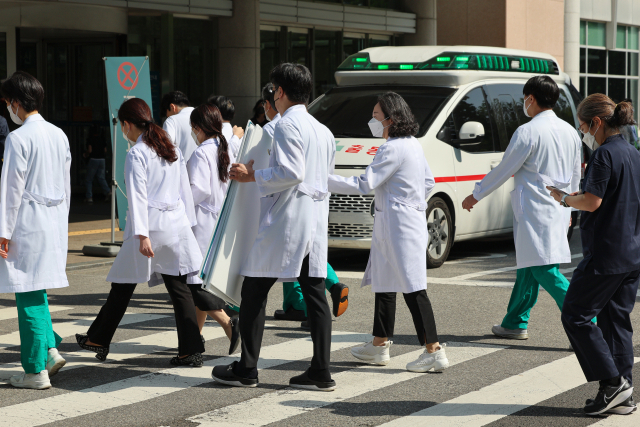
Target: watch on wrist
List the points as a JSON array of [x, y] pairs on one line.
[[564, 203]]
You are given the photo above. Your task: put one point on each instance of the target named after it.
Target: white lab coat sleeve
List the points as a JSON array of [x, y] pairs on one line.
[[12, 184], [185, 193], [234, 146], [383, 166], [135, 176], [577, 171], [289, 170], [429, 181], [67, 175], [518, 151], [199, 177], [169, 126]]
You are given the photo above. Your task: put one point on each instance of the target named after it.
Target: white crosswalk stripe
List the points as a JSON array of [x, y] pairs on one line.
[[12, 312]]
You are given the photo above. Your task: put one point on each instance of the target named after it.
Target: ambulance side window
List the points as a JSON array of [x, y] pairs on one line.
[[474, 107], [506, 103]]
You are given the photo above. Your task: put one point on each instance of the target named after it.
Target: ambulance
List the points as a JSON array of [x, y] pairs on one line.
[[468, 103]]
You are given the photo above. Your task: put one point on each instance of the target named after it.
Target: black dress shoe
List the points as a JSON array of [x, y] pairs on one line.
[[194, 360], [340, 297], [625, 408], [223, 374], [305, 383], [305, 325], [235, 335], [101, 352], [609, 397], [291, 314]]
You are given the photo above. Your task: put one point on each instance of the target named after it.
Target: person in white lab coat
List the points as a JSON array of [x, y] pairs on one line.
[[292, 236], [227, 109], [402, 181], [175, 107], [35, 195], [543, 152], [209, 177], [158, 242]]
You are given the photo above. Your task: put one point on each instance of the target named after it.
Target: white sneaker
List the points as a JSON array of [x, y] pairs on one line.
[[54, 362], [38, 381], [437, 361], [373, 353], [513, 334]]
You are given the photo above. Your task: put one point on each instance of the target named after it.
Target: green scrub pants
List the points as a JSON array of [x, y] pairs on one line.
[[36, 332], [293, 293]]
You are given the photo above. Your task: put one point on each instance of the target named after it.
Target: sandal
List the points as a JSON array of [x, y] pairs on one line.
[[101, 352], [194, 360]]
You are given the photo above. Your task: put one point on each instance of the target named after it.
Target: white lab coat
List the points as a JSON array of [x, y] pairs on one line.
[[294, 208], [208, 193], [161, 208], [545, 151], [270, 127], [401, 178], [232, 140], [35, 194], [178, 127]]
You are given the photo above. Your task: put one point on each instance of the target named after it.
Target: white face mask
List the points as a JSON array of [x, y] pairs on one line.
[[377, 128], [195, 137], [14, 116], [590, 140], [126, 138], [525, 108]]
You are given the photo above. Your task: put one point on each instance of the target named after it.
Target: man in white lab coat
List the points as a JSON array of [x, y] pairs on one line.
[[544, 152], [175, 106], [292, 236]]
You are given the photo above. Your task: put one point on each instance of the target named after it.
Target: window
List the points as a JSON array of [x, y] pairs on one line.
[[269, 51], [474, 107], [506, 102], [193, 43], [3, 56], [328, 54]]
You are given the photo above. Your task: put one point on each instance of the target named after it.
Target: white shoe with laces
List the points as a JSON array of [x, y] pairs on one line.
[[54, 362], [373, 353], [39, 381], [426, 361]]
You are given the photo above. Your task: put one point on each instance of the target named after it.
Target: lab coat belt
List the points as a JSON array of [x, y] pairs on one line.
[[421, 206], [28, 195], [164, 206], [314, 193], [209, 207]]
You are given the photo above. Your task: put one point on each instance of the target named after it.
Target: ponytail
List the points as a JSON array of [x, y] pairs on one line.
[[208, 119], [612, 114]]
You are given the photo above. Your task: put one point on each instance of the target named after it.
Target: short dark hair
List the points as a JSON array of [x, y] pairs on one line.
[[24, 88], [543, 89], [295, 81], [177, 98], [225, 105], [396, 108], [268, 94]]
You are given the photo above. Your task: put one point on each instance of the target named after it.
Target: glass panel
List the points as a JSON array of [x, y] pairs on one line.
[[633, 38], [194, 73], [632, 68], [387, 4], [28, 59], [328, 55], [298, 42], [583, 60], [506, 102], [563, 109], [474, 107], [617, 62], [352, 44], [57, 99], [596, 34], [632, 93], [143, 39], [596, 85], [583, 86], [379, 41], [621, 36], [3, 56], [617, 89], [347, 110], [583, 33], [269, 54], [596, 61]]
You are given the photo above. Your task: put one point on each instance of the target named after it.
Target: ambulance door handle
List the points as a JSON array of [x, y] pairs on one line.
[[494, 163]]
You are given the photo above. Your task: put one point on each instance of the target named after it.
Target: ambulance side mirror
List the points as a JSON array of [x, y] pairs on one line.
[[471, 133]]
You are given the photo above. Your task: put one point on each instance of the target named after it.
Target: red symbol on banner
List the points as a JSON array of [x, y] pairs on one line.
[[124, 76]]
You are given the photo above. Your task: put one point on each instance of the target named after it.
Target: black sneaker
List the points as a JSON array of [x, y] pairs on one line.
[[291, 314], [609, 397], [625, 408], [223, 374], [305, 383], [340, 298], [235, 335]]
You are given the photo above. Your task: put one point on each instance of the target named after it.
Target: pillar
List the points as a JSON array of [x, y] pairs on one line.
[[426, 24], [239, 58], [572, 40]]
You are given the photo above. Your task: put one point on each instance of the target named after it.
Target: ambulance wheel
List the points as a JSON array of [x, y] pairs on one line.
[[440, 227]]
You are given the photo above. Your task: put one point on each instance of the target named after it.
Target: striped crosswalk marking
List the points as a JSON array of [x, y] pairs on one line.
[[149, 386], [288, 403], [12, 312]]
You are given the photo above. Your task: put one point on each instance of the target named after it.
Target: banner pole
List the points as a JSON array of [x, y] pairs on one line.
[[114, 186]]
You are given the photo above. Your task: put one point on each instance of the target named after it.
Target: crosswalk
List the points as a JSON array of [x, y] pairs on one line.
[[281, 405]]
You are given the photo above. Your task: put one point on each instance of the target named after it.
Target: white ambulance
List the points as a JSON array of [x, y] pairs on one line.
[[468, 102]]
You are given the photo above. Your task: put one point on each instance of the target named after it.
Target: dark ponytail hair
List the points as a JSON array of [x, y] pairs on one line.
[[612, 114], [396, 108], [138, 113], [208, 119]]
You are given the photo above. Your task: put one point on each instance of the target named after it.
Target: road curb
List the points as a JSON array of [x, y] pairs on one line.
[[89, 264]]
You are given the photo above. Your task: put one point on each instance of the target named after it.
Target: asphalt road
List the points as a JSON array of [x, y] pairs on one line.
[[492, 381]]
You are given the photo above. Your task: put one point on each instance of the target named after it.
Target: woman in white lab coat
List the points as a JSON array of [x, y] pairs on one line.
[[402, 181], [34, 212], [158, 242], [208, 170]]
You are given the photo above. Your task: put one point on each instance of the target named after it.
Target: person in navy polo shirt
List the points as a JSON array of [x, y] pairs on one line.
[[605, 282]]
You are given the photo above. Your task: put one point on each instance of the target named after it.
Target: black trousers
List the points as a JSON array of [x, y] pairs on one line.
[[252, 316], [384, 318], [104, 327], [606, 350]]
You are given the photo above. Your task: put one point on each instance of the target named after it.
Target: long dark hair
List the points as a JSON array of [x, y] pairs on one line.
[[208, 119], [396, 108], [138, 113]]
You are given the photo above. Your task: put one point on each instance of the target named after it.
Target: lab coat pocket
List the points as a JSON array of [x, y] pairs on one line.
[[266, 208], [516, 201]]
